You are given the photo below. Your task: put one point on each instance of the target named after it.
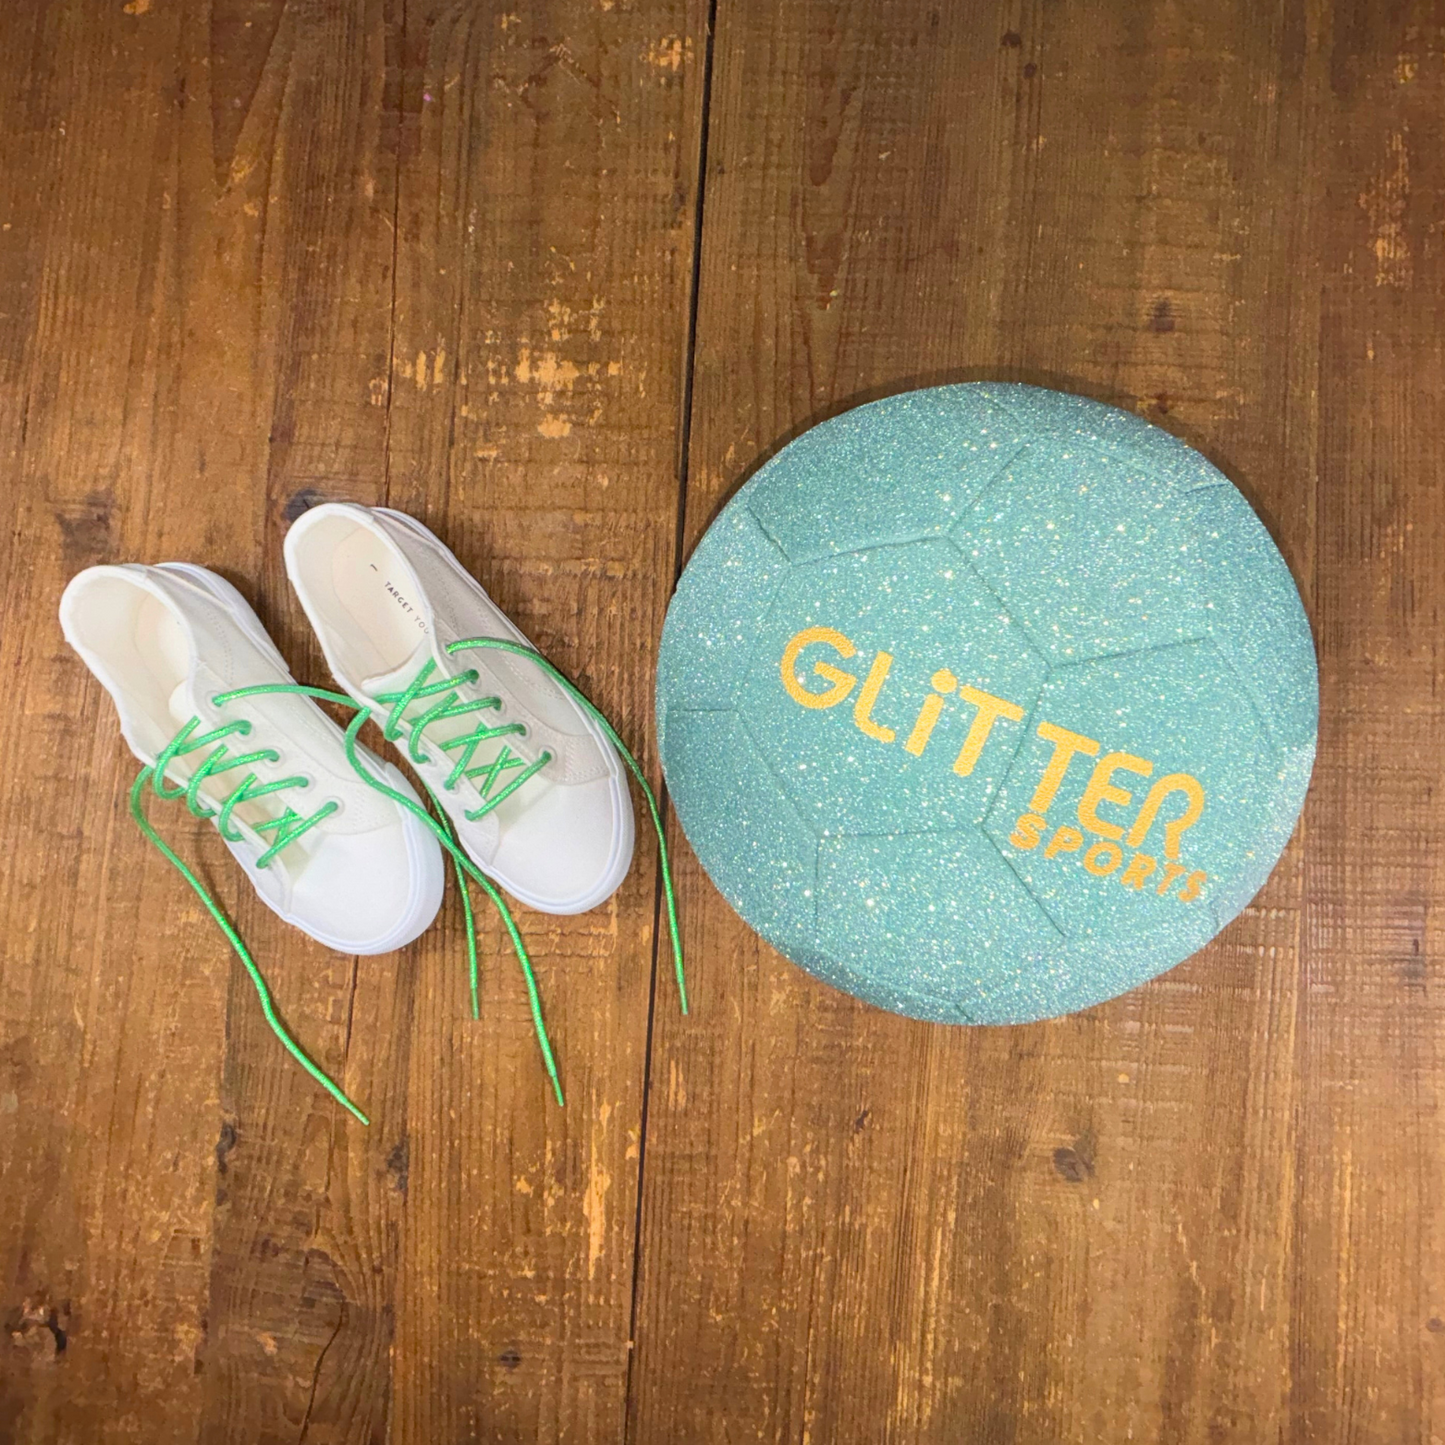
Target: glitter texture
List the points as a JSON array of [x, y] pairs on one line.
[[986, 703]]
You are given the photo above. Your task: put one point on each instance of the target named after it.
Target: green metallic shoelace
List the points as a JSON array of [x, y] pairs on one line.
[[487, 776], [291, 825], [532, 655]]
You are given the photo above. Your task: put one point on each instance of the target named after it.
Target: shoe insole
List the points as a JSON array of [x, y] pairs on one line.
[[164, 654], [376, 590]]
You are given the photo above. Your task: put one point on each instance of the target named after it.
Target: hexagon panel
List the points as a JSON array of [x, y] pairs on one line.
[[1087, 554], [893, 471], [936, 912]]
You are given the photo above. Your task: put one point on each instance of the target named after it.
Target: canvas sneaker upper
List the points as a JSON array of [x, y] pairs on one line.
[[540, 801], [166, 641]]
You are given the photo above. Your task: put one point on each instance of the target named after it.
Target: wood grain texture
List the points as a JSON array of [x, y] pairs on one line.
[[1200, 1212], [263, 254], [544, 232], [260, 253]]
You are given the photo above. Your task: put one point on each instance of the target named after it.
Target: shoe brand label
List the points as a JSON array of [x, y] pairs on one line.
[[401, 601]]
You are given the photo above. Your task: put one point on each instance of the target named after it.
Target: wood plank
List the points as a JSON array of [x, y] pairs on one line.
[[234, 316], [856, 1227], [1368, 1291], [300, 141], [545, 231], [111, 993], [201, 351]]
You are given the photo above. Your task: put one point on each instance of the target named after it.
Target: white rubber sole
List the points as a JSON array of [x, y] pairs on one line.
[[424, 854]]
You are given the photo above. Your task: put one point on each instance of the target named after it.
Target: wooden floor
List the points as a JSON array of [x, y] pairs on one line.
[[554, 275]]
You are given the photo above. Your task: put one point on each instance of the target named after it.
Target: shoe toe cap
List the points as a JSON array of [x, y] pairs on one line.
[[570, 848], [371, 892]]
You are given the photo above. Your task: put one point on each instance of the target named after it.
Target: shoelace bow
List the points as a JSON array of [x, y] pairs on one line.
[[292, 825]]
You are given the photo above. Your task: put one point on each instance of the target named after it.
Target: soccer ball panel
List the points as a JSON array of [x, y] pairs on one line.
[[892, 471], [937, 913], [714, 620], [754, 848], [1253, 614], [1058, 421], [1087, 556]]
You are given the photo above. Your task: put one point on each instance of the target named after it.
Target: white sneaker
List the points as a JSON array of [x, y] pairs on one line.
[[323, 849], [535, 789]]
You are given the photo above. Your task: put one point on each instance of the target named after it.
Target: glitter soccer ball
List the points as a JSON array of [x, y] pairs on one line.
[[986, 703]]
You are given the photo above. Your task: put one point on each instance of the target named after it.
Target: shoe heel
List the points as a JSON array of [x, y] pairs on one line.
[[233, 602]]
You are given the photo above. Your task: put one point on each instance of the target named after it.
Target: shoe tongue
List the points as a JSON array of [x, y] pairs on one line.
[[399, 678], [179, 703]]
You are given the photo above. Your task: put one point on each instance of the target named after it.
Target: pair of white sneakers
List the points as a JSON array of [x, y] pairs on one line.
[[528, 776]]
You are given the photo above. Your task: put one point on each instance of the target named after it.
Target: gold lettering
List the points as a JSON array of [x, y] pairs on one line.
[[1100, 790], [1066, 744], [1141, 865], [842, 681], [868, 695], [1192, 886], [1171, 872], [1173, 783], [1065, 840], [990, 709], [1102, 858], [1027, 831], [943, 682]]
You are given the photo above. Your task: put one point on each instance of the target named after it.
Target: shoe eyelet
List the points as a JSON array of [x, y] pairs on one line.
[[338, 808]]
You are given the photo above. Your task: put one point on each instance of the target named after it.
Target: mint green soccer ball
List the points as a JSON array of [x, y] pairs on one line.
[[986, 703]]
